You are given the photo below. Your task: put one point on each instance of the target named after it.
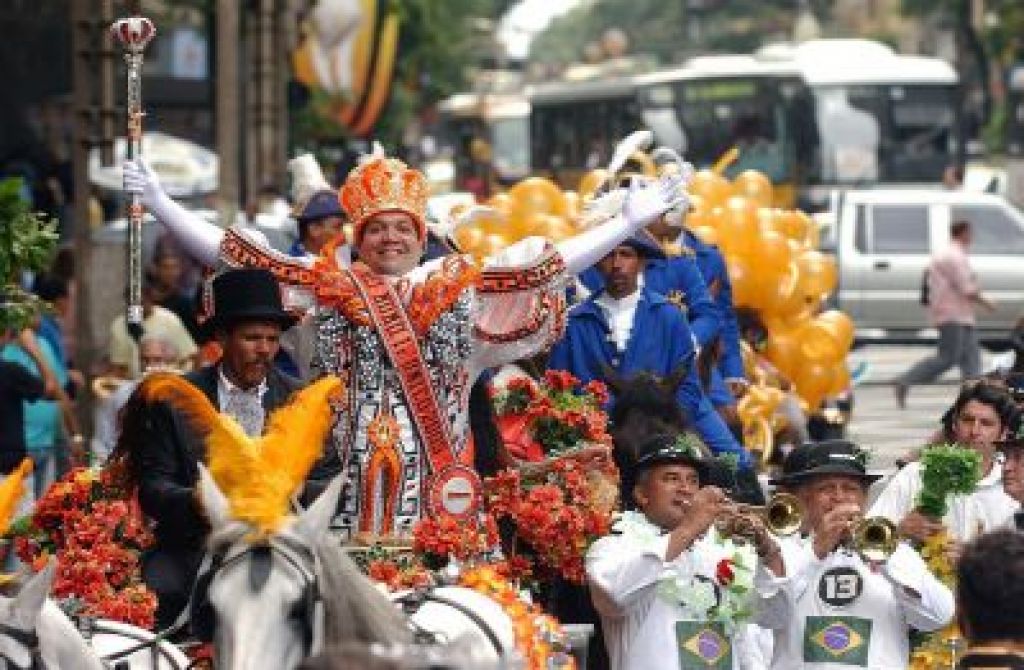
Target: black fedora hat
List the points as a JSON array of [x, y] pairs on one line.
[[834, 457], [661, 449], [794, 463], [246, 294]]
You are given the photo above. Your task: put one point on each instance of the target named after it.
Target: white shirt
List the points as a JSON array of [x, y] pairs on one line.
[[620, 313], [985, 510], [638, 622], [903, 594], [243, 405]]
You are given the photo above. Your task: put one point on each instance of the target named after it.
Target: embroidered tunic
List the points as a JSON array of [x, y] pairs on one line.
[[465, 319]]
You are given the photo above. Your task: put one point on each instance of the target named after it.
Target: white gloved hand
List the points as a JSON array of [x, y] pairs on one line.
[[140, 179], [646, 201], [200, 239]]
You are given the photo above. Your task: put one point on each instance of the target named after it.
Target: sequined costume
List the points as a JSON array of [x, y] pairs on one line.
[[466, 318]]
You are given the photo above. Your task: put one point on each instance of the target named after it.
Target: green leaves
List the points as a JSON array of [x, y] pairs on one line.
[[27, 242], [946, 470]]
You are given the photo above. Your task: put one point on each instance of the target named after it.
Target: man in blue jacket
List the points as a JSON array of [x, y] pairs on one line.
[[632, 329]]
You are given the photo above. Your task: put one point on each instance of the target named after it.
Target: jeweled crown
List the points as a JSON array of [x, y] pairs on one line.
[[384, 185]]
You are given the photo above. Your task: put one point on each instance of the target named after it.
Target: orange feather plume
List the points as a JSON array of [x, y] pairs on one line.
[[12, 488], [257, 475]]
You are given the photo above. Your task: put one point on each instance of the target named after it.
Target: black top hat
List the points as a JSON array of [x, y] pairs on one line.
[[794, 463], [834, 457], [247, 294], [662, 449], [320, 206]]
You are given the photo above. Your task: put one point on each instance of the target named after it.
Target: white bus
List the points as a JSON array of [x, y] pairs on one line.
[[813, 116]]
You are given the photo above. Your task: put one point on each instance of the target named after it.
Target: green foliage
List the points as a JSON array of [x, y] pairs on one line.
[[27, 242], [946, 470]]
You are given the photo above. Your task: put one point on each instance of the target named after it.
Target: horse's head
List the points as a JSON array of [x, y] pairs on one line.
[[257, 599], [645, 405]]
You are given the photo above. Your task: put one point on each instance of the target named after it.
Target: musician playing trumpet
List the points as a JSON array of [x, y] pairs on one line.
[[671, 591], [853, 591]]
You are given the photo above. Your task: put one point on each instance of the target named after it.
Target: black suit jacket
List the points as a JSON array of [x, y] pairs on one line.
[[169, 457]]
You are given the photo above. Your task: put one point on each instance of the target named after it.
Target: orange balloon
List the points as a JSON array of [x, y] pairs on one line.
[[492, 244], [773, 251], [840, 325], [812, 234], [500, 201], [738, 229], [778, 295], [711, 186], [698, 203], [591, 181], [468, 238], [707, 234], [818, 344], [537, 195], [573, 203], [817, 273], [554, 228], [753, 186], [813, 382], [743, 293], [797, 225], [783, 351], [840, 380], [700, 219]]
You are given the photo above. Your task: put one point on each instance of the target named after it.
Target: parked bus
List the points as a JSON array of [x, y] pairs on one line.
[[813, 116]]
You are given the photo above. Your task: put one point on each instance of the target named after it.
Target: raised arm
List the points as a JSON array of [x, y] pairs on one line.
[[645, 202], [200, 239]]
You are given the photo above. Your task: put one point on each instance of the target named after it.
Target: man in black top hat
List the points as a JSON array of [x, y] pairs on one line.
[[247, 320]]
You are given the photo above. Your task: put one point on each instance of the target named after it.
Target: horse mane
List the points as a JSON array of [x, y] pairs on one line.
[[649, 394], [355, 610]]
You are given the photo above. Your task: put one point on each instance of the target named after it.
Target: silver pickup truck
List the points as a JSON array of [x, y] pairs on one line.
[[883, 240]]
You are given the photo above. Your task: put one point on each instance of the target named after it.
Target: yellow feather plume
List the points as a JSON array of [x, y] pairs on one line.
[[257, 476], [12, 488]]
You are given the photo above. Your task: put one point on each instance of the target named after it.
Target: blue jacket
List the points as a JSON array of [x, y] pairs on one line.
[[670, 277], [659, 342], [712, 267]]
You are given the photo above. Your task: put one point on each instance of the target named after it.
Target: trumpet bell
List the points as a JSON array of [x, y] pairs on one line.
[[783, 515], [875, 539]]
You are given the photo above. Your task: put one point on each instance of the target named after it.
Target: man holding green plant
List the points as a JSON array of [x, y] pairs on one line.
[[943, 490]]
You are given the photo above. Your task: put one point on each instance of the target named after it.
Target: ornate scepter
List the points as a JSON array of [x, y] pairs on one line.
[[134, 34]]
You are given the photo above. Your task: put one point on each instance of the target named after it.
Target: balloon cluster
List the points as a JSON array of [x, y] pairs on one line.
[[776, 268]]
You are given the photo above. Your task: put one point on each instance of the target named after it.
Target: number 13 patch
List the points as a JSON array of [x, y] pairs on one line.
[[840, 586]]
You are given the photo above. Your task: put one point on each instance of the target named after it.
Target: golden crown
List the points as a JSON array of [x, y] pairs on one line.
[[384, 185]]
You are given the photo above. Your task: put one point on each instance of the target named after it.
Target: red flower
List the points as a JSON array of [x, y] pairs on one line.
[[724, 574], [598, 390], [560, 380]]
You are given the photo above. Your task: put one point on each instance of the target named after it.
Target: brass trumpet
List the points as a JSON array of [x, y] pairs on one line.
[[783, 515], [874, 539]]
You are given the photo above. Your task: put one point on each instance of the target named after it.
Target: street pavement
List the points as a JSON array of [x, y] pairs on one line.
[[877, 423]]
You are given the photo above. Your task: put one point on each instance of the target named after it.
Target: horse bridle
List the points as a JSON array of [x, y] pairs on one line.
[[414, 600], [28, 639], [200, 612]]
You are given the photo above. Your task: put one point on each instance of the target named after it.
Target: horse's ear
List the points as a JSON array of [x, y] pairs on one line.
[[675, 378], [612, 379], [315, 521], [28, 604], [215, 503]]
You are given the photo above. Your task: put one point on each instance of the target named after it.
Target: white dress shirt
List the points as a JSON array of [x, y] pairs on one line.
[[983, 511], [243, 405], [885, 603], [619, 313], [639, 624]]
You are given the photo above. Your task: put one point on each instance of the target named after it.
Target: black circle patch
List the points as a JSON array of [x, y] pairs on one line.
[[840, 586]]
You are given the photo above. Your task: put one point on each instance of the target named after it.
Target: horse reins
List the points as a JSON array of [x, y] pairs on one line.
[[28, 639]]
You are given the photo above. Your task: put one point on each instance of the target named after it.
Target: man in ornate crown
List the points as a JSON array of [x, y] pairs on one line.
[[410, 338]]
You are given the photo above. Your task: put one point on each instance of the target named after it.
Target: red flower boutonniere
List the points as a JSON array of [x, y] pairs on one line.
[[724, 573]]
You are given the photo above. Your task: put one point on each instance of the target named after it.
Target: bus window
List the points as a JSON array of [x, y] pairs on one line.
[[511, 142], [922, 142], [848, 121]]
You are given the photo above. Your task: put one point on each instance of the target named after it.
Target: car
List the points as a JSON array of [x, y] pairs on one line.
[[883, 240]]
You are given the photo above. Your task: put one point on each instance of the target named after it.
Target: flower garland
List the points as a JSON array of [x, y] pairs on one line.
[[97, 537], [724, 597], [537, 634]]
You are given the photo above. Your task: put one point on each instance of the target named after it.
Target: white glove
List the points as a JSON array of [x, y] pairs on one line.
[[200, 238], [646, 201]]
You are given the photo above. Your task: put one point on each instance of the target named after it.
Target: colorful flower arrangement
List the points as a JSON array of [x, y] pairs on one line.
[[560, 413], [97, 537], [539, 636]]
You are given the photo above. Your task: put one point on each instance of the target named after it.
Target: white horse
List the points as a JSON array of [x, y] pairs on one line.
[[273, 602], [35, 633]]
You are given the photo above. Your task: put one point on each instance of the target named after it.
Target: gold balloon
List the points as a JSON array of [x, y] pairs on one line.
[[783, 350], [573, 204], [840, 325], [698, 204], [778, 296], [738, 229], [773, 251], [840, 380], [818, 344], [812, 236], [743, 289], [537, 195], [468, 238], [813, 382], [591, 181], [707, 234], [554, 228], [817, 273], [711, 186], [700, 218], [754, 186], [492, 244], [500, 201]]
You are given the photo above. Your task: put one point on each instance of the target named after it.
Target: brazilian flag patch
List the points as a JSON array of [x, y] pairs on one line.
[[703, 645], [837, 639]]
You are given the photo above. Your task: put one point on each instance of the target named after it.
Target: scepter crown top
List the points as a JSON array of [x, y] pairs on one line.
[[133, 33]]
